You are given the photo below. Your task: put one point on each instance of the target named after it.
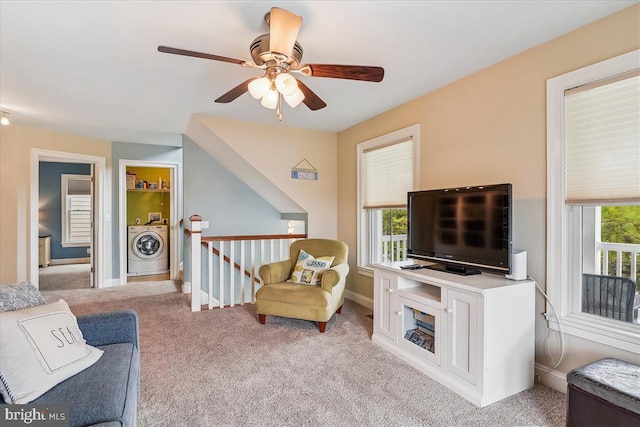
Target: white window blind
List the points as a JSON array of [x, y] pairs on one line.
[[76, 210], [388, 175], [79, 218], [603, 141]]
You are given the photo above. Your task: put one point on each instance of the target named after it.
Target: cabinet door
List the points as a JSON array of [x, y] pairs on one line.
[[385, 286], [462, 323], [419, 329]]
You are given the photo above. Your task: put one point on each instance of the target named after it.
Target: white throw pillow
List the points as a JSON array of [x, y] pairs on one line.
[[39, 348], [308, 270]]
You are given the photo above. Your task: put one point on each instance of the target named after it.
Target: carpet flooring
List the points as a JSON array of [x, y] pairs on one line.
[[222, 367], [64, 276]]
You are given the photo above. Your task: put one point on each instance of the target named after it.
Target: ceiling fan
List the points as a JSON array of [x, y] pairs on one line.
[[279, 54]]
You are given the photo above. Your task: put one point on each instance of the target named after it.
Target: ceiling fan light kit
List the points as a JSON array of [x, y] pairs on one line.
[[259, 87], [5, 119], [286, 84], [279, 54], [270, 99], [295, 99]]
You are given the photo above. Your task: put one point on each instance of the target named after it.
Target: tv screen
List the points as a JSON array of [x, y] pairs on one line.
[[464, 230]]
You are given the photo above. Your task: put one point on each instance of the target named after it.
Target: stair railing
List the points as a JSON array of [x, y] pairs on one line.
[[229, 265]]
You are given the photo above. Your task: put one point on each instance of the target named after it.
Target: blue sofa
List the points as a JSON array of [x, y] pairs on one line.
[[107, 392]]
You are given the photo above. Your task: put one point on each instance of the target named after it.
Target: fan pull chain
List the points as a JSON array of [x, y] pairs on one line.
[[278, 112]]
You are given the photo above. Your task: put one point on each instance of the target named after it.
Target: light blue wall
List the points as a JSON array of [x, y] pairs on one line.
[[50, 201], [230, 206], [208, 189], [145, 152], [218, 196]]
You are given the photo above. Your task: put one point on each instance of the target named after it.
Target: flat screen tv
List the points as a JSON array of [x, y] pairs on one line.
[[463, 230]]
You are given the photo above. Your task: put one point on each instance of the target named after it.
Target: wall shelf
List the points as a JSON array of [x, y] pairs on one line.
[[148, 190]]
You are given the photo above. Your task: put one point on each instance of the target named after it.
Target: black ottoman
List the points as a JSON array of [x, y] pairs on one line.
[[605, 392]]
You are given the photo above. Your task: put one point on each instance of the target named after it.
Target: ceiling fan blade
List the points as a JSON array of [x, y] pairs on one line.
[[311, 100], [284, 28], [175, 51], [235, 92], [351, 72]]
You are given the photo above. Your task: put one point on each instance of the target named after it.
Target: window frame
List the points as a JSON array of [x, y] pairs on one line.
[[564, 222], [65, 217], [365, 221]]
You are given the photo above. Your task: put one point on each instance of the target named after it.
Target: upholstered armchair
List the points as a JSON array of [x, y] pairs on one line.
[[284, 297]]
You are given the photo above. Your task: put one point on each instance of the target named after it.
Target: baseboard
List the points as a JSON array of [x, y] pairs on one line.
[[551, 378], [359, 299], [111, 283], [186, 287], [65, 261]]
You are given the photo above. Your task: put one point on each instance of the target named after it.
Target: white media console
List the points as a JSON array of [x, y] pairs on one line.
[[473, 334]]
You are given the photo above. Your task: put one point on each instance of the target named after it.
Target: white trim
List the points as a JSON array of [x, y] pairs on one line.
[[365, 271], [174, 226], [551, 378], [39, 155], [561, 250], [186, 287], [67, 261], [413, 132], [359, 299], [111, 283]]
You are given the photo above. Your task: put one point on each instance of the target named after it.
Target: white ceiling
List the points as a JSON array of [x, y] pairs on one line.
[[92, 68]]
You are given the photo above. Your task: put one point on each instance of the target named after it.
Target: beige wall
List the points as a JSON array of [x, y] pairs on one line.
[[16, 144], [490, 127], [283, 146], [274, 149]]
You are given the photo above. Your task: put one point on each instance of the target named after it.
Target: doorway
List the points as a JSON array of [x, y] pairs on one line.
[[148, 221], [65, 232], [95, 247]]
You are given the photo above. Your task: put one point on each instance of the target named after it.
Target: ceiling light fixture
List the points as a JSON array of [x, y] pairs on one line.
[[275, 85], [5, 120]]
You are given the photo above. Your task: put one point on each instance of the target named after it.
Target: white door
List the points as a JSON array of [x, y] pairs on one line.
[[92, 215], [462, 335], [384, 300]]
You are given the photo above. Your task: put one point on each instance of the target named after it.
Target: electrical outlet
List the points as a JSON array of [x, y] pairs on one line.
[[137, 221], [205, 224]]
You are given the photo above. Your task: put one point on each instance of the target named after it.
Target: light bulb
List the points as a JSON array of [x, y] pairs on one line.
[[259, 87], [270, 99], [286, 84], [294, 99], [5, 120]]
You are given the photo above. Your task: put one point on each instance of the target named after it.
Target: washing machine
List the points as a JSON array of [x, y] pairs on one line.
[[148, 250]]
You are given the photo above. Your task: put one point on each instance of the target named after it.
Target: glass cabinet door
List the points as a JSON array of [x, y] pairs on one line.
[[420, 329]]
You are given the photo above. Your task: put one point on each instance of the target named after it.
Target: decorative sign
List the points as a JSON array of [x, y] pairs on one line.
[[304, 170]]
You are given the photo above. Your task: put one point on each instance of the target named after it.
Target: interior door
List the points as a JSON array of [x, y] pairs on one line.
[[92, 276]]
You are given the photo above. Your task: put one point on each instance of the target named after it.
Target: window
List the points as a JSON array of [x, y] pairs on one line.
[[387, 170], [76, 210], [593, 198]]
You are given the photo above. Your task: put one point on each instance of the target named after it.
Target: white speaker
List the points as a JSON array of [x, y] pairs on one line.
[[518, 265]]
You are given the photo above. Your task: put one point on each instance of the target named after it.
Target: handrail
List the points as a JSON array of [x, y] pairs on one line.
[[604, 248], [254, 237], [221, 283], [206, 239]]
